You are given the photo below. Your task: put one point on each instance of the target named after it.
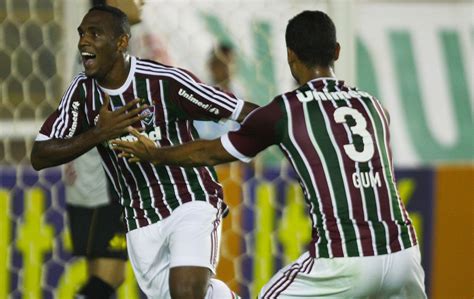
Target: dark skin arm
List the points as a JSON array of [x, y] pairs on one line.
[[191, 154], [111, 124]]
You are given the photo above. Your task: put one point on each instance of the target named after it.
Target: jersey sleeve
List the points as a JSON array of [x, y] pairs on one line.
[[200, 101], [259, 130], [68, 118]]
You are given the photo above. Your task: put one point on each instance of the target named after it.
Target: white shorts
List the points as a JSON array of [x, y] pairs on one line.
[[188, 237], [396, 275]]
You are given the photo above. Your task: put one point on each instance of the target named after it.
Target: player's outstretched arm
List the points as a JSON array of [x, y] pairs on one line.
[[110, 124], [191, 154]]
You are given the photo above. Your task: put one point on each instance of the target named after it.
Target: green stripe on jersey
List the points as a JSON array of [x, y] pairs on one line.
[[126, 201], [328, 154], [98, 104], [300, 165], [189, 175], [116, 101], [383, 150], [372, 214], [132, 224], [84, 125], [173, 110], [197, 189], [164, 179], [323, 245], [193, 180], [146, 197], [142, 92], [168, 187]]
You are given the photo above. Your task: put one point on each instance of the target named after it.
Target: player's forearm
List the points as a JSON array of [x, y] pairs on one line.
[[193, 154], [55, 152]]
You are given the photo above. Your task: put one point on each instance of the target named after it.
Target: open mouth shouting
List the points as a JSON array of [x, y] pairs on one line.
[[88, 59]]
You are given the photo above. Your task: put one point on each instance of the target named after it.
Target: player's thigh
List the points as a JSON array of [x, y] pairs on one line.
[[149, 256], [405, 277], [107, 233], [308, 277], [195, 236]]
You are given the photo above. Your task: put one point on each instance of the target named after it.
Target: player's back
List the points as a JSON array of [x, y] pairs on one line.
[[338, 141]]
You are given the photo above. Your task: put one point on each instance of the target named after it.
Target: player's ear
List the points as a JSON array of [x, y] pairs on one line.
[[291, 56], [123, 42], [337, 51]]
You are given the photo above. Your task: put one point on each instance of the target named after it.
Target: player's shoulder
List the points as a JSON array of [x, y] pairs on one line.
[[151, 63], [360, 92], [160, 69], [80, 78], [274, 108], [78, 81], [290, 95]]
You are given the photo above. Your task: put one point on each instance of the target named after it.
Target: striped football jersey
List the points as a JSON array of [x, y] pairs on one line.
[[174, 97], [337, 139]]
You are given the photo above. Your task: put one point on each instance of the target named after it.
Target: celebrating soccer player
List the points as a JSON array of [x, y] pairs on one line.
[[173, 214]]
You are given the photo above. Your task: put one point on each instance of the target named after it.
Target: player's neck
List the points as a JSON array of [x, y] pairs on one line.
[[308, 74], [117, 76]]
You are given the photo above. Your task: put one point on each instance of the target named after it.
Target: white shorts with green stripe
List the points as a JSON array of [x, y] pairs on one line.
[[188, 237], [396, 275]]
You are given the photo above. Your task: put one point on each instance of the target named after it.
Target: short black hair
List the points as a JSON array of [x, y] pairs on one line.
[[98, 2], [121, 24], [312, 36], [224, 48]]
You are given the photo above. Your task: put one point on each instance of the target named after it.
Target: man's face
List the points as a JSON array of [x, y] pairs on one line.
[[98, 44]]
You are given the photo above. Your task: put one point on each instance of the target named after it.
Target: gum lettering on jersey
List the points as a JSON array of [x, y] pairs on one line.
[[75, 117], [310, 95], [190, 97], [366, 179]]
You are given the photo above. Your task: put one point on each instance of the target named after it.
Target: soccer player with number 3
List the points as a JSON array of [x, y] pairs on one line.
[[337, 139]]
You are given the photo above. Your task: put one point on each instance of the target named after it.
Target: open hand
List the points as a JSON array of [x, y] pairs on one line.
[[112, 124], [144, 149]]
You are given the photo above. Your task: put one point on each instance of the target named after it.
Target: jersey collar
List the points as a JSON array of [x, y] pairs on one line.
[[126, 84]]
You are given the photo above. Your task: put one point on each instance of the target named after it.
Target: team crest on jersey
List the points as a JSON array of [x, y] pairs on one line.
[[149, 116]]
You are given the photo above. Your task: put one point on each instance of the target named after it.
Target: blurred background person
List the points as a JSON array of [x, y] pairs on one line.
[[221, 66]]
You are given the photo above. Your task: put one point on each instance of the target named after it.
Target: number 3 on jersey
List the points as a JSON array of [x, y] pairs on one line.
[[360, 128]]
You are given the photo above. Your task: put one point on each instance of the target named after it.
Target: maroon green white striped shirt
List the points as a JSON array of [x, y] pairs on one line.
[[337, 139], [175, 97]]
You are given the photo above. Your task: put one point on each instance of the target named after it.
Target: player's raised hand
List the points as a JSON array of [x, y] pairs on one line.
[[112, 124], [144, 149]]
